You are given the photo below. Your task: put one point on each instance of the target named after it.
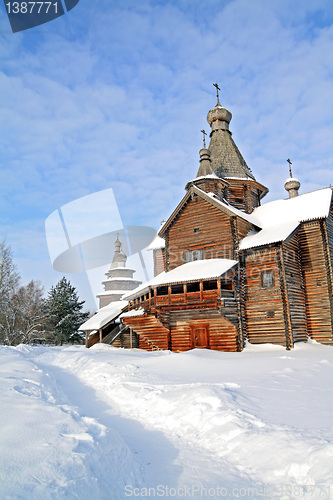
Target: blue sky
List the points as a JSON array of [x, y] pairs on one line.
[[114, 95]]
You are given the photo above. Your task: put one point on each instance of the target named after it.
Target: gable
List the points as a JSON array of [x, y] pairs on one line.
[[199, 226], [211, 199]]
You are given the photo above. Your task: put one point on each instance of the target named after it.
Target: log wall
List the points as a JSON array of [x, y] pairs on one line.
[[222, 335], [329, 232], [317, 280], [264, 307], [158, 261], [213, 228], [295, 290], [200, 226], [241, 196]]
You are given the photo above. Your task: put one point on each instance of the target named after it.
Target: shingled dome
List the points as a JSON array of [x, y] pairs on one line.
[[226, 158]]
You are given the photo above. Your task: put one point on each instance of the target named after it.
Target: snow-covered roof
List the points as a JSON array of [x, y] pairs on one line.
[[314, 205], [268, 235], [157, 243], [103, 316], [132, 313], [191, 271], [279, 219]]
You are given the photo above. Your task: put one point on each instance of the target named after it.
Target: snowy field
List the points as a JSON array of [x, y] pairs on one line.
[[115, 424]]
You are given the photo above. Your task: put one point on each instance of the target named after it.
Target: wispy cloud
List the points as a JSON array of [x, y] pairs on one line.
[[115, 96]]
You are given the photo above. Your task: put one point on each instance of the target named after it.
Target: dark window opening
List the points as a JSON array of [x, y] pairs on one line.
[[177, 289], [210, 285], [267, 279], [196, 230], [193, 287], [270, 314], [162, 290], [226, 285]]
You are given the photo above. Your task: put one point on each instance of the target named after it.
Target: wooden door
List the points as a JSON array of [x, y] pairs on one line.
[[200, 336]]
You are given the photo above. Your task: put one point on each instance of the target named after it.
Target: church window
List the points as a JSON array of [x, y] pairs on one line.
[[162, 290], [267, 279], [196, 230]]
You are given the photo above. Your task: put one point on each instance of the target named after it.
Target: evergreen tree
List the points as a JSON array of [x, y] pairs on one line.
[[65, 311]]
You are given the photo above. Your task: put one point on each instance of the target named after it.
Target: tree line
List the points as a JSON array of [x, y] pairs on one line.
[[27, 316]]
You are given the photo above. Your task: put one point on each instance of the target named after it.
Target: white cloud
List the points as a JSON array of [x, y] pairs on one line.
[[115, 97]]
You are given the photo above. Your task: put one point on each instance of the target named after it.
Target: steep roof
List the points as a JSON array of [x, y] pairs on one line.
[[226, 159]]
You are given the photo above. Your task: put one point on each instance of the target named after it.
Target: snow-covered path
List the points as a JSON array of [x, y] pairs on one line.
[[110, 424]]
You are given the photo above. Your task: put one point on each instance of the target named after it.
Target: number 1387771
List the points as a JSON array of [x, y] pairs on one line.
[[32, 7]]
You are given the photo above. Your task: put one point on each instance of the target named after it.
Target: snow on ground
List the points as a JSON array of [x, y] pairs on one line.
[[109, 423]]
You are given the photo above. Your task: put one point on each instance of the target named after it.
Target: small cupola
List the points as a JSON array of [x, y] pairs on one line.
[[218, 117], [206, 179], [292, 184], [205, 167]]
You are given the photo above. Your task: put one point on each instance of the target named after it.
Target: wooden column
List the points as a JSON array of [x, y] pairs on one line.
[[169, 294], [285, 302], [86, 339], [201, 291]]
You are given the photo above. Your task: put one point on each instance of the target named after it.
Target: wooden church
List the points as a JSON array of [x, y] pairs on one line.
[[229, 269]]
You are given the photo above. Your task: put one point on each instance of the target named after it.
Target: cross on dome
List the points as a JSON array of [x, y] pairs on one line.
[[204, 138], [290, 163], [217, 93]]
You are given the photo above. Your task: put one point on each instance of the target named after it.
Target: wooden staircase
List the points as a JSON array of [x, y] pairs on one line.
[[152, 334]]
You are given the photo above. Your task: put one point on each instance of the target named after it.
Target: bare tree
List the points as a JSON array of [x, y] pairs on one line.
[[9, 281], [9, 277]]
